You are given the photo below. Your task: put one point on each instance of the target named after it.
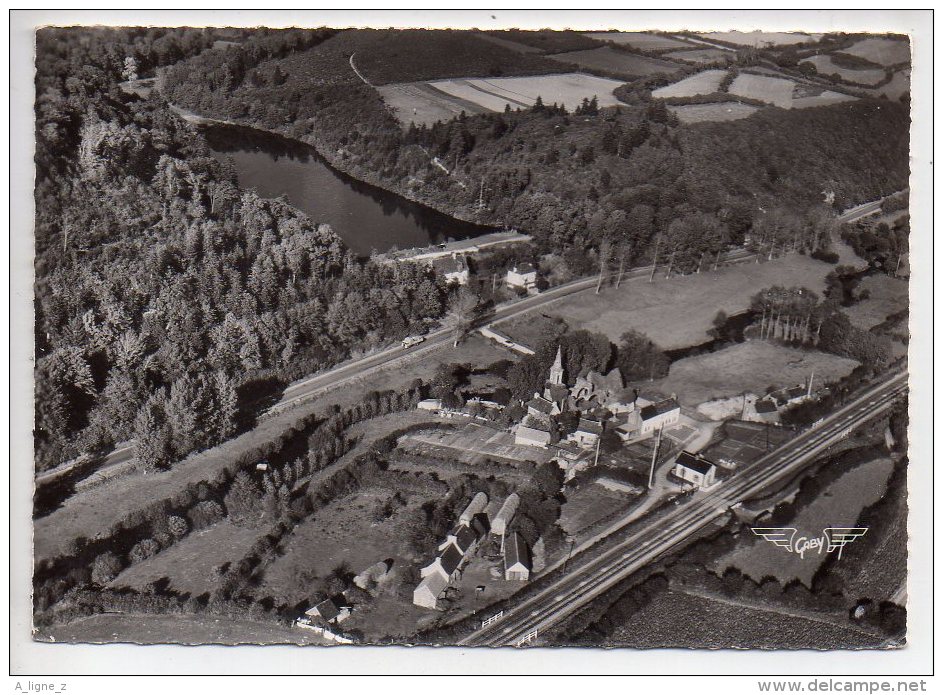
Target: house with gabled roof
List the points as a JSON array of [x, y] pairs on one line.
[[517, 563], [447, 564], [427, 593], [660, 414], [522, 276], [538, 405], [332, 610], [695, 469], [587, 433]]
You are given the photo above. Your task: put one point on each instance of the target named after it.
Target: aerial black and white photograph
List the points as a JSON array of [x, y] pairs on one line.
[[478, 337]]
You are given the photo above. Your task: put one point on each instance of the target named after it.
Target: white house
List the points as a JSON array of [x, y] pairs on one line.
[[695, 469], [427, 593], [516, 559], [454, 269], [447, 565], [462, 538], [587, 433], [661, 414], [506, 514], [477, 505], [523, 276], [429, 404]]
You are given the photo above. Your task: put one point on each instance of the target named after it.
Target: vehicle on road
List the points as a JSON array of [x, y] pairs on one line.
[[411, 340]]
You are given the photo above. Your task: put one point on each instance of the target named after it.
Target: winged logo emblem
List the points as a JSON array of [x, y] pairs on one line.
[[833, 538]]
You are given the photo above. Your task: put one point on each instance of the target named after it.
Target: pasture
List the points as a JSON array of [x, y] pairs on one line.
[[420, 103], [826, 66], [706, 82], [898, 86], [838, 505], [677, 313], [568, 89], [749, 367], [772, 90], [700, 55], [881, 51], [720, 111], [888, 296], [640, 40], [608, 59], [761, 39]]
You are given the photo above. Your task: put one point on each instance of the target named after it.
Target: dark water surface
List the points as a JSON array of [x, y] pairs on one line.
[[364, 216]]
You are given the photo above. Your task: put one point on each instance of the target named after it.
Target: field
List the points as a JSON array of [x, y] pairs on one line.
[[610, 60], [839, 505], [189, 564], [772, 90], [825, 66], [541, 41], [509, 43], [645, 42], [881, 51], [706, 82], [700, 55], [720, 111], [898, 86], [568, 89], [676, 313], [590, 504], [177, 629], [678, 619], [888, 296], [472, 444], [761, 39], [750, 367], [420, 103]]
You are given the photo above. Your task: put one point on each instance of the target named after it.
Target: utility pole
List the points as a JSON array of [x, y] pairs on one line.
[[809, 391], [651, 472], [481, 194], [598, 442], [651, 278]]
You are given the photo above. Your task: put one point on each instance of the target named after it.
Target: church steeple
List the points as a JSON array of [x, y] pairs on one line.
[[556, 371]]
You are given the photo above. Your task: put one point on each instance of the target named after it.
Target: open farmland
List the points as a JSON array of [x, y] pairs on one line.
[[749, 367], [720, 111], [881, 51], [888, 296], [700, 55], [838, 505], [898, 86], [640, 40], [691, 301], [826, 66], [772, 90], [610, 60], [568, 89], [679, 619], [706, 82], [761, 39], [189, 563], [420, 103]]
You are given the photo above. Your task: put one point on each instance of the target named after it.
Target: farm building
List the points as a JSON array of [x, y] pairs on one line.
[[429, 404], [522, 276], [333, 610], [463, 538], [516, 559], [447, 565], [506, 514], [373, 575], [587, 433], [478, 504], [695, 469], [661, 414], [532, 435], [427, 593]]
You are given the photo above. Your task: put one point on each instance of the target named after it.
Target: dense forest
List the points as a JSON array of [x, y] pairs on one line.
[[162, 290], [630, 177]]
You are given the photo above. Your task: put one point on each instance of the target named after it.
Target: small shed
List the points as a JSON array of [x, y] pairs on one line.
[[517, 563]]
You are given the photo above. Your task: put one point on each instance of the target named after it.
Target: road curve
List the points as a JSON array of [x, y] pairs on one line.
[[647, 540]]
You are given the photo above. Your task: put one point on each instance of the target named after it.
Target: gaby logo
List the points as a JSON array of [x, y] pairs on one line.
[[832, 539]]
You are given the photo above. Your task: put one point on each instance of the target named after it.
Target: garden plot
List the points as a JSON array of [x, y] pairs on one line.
[[772, 90], [881, 51], [645, 42], [706, 82], [568, 89], [610, 60], [826, 66], [720, 111], [761, 39]]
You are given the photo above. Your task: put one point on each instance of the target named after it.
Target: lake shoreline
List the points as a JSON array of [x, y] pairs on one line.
[[337, 162]]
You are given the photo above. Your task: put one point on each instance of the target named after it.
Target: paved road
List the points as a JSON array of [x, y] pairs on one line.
[[650, 539]]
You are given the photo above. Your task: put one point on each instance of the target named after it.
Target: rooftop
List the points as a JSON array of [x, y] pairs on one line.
[[523, 269], [590, 426], [695, 463], [659, 408], [515, 551]]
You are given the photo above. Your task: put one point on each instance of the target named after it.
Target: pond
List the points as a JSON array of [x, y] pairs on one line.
[[367, 218]]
